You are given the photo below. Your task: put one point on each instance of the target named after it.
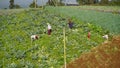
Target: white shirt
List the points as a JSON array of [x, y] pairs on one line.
[[33, 37], [49, 27], [106, 37]]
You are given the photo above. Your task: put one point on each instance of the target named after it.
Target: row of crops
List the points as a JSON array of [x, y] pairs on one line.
[[17, 51]]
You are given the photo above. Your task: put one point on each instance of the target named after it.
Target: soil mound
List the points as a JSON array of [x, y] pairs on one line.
[[106, 55]]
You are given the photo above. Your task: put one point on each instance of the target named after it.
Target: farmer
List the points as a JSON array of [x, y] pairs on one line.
[[49, 29], [105, 37], [89, 34], [34, 37], [70, 23]]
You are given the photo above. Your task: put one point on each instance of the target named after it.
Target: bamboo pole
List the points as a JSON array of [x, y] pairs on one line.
[[64, 48], [3, 62]]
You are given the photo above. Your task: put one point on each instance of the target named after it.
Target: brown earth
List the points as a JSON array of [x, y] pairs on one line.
[[106, 55]]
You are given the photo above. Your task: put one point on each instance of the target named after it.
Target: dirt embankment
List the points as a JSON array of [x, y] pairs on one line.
[[106, 55]]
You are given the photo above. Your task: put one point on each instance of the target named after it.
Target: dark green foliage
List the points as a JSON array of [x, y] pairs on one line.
[[50, 2], [17, 6], [11, 6], [55, 3], [99, 2], [33, 4]]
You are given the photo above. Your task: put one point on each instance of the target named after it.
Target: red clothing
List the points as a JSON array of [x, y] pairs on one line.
[[49, 31], [89, 35], [36, 37]]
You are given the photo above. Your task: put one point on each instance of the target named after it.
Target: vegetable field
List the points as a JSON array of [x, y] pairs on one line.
[[98, 15], [17, 50]]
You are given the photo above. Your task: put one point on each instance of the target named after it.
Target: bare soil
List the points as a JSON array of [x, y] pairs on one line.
[[106, 55]]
